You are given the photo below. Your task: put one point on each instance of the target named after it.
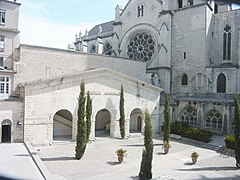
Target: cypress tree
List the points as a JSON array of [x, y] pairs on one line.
[[166, 134], [81, 125], [147, 155], [237, 130], [122, 115], [88, 114]]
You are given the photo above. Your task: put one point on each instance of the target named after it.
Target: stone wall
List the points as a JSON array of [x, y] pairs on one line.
[[12, 110], [43, 99]]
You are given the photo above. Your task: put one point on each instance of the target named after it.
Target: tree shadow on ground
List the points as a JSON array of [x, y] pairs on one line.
[[222, 178], [140, 145], [58, 159], [225, 168], [113, 163], [160, 153], [134, 177], [188, 163], [22, 155]]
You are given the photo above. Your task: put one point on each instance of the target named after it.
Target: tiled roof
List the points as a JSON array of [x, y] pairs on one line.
[[106, 27]]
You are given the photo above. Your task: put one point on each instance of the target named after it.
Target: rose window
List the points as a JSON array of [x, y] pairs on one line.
[[141, 47]]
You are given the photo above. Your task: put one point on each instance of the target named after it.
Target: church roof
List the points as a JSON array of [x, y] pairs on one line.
[[106, 27]]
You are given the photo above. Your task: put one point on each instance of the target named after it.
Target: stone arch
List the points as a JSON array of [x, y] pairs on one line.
[[6, 126], [103, 123], [184, 80], [214, 120], [162, 46], [62, 125], [189, 114], [163, 26], [221, 83], [136, 121]]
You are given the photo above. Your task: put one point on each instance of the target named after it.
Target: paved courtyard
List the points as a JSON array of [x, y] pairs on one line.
[[16, 163], [100, 161]]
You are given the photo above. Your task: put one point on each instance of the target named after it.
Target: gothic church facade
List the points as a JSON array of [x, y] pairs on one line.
[[190, 48]]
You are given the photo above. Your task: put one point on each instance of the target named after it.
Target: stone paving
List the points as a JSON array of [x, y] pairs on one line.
[[16, 163], [100, 161]]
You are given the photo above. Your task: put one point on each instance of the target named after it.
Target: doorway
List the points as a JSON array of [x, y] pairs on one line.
[[6, 131]]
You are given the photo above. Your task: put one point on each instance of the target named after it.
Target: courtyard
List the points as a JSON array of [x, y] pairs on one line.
[[100, 161]]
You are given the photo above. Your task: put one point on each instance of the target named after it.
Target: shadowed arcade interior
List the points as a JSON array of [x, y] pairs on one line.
[[62, 125], [103, 123]]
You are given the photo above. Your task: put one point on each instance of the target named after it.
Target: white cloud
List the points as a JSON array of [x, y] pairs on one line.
[[41, 32]]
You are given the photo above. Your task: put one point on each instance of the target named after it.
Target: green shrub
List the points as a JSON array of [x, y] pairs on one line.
[[230, 141], [183, 129]]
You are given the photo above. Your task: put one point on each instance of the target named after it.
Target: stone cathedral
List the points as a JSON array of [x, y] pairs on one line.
[[190, 48], [187, 48]]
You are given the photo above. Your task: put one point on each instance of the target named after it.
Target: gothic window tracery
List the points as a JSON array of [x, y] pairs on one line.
[[189, 115], [141, 47], [93, 48], [107, 48], [214, 120], [227, 41]]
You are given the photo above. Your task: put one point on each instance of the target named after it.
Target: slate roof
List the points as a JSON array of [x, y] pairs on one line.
[[106, 27]]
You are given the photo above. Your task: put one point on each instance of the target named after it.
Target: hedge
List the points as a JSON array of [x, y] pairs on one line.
[[230, 141], [183, 129]]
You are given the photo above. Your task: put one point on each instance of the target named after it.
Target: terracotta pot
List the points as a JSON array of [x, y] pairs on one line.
[[194, 160], [120, 158]]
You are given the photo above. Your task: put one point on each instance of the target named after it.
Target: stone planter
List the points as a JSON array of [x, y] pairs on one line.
[[194, 159], [166, 149], [120, 158]]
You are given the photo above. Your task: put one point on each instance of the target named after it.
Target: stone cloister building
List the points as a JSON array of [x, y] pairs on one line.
[[188, 48]]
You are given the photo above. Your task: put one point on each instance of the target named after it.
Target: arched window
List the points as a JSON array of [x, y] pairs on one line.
[[221, 83], [107, 48], [189, 115], [140, 10], [190, 2], [180, 3], [213, 120], [184, 80], [227, 41], [93, 48]]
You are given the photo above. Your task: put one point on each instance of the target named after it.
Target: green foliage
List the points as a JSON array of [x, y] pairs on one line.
[[88, 114], [237, 129], [147, 155], [121, 152], [122, 115], [230, 141], [183, 129], [195, 154], [166, 119], [81, 125]]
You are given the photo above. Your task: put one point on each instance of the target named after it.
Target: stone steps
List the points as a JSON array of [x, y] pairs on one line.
[[213, 147]]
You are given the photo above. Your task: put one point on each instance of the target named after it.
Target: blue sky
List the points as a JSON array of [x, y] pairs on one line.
[[54, 23]]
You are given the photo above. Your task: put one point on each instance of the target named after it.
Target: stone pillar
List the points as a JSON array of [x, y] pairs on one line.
[[202, 115]]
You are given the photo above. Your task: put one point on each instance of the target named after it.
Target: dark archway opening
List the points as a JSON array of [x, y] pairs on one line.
[[103, 123], [6, 131], [136, 121]]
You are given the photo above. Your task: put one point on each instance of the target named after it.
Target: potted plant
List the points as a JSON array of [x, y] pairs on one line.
[[194, 156], [121, 153], [166, 146]]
